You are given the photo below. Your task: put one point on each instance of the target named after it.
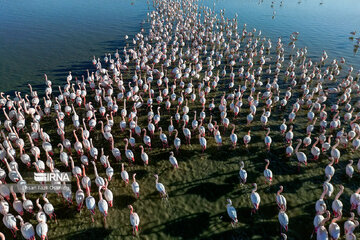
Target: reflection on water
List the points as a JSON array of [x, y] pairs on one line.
[[59, 36]]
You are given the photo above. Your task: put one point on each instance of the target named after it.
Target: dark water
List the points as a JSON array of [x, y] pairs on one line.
[[53, 37]]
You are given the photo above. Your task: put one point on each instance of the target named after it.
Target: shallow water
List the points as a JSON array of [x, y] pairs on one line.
[[324, 26], [54, 37]]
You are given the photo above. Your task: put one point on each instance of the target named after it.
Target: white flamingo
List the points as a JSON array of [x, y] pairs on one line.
[[102, 204], [231, 211], [124, 174], [27, 229], [283, 219], [134, 220], [267, 172], [320, 205], [329, 169], [280, 199], [349, 169], [160, 187], [135, 187], [334, 228], [242, 173], [301, 157], [90, 204], [255, 199], [173, 160], [337, 205]]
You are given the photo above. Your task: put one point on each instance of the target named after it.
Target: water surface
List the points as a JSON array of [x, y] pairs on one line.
[[53, 37]]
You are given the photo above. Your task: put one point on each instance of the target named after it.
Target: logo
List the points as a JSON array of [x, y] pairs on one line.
[[52, 177]]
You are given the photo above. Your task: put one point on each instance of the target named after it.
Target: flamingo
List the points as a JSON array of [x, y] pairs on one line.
[[329, 186], [102, 204], [135, 187], [124, 174], [144, 155], [349, 169], [147, 139], [267, 172], [337, 205], [335, 153], [129, 154], [320, 205], [315, 151], [301, 157], [27, 203], [4, 206], [116, 152], [326, 145], [231, 211], [42, 229], [10, 222], [330, 170], [49, 208], [289, 150], [242, 173], [79, 195], [173, 160], [160, 187], [350, 224], [202, 142], [268, 139], [163, 138], [334, 228], [247, 139], [177, 141], [283, 219], [17, 204], [283, 127], [134, 220], [27, 229], [90, 204], [109, 170], [233, 136], [85, 181], [108, 194], [280, 199], [289, 135], [255, 199], [321, 232], [187, 133], [355, 199], [99, 181]]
